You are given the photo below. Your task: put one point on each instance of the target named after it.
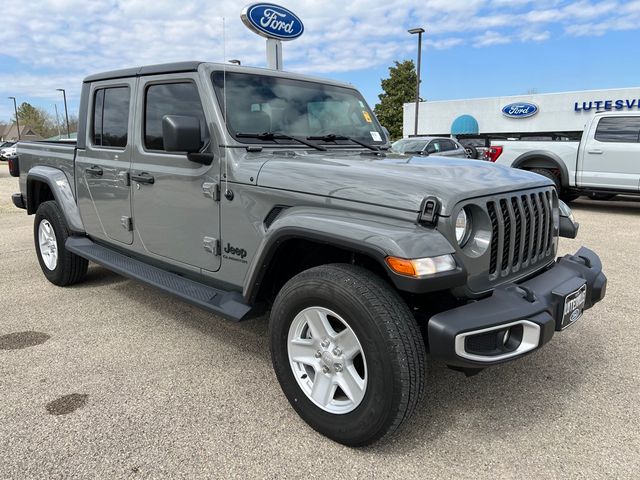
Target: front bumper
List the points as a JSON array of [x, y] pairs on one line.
[[518, 318]]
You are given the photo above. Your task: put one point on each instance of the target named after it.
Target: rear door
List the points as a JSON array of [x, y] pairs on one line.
[[176, 216], [444, 147], [611, 154], [102, 169]]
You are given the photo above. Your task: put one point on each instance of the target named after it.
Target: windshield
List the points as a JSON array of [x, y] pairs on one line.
[[407, 145], [260, 104]]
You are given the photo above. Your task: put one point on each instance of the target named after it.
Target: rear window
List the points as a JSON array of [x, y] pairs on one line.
[[618, 129], [111, 117]]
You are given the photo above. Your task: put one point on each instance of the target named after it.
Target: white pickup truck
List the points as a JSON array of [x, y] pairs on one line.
[[606, 161]]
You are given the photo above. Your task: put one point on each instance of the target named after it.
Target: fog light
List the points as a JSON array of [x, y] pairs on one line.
[[499, 342]]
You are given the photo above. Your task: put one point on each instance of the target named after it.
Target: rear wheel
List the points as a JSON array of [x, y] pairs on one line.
[[50, 232], [347, 353], [565, 195], [550, 175]]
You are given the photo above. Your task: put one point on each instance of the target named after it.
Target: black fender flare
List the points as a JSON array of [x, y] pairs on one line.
[[543, 159], [360, 233], [62, 192]]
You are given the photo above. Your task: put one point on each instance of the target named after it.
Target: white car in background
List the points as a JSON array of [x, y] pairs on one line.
[[7, 152]]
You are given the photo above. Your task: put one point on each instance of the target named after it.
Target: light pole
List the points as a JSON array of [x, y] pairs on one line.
[[15, 108], [235, 61], [66, 112], [419, 31]]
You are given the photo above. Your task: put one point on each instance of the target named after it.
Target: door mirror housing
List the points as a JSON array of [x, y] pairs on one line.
[[181, 133], [568, 227]]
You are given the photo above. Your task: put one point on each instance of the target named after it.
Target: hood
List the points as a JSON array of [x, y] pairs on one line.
[[394, 181]]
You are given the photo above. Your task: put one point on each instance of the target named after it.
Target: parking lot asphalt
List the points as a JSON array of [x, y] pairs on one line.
[[112, 379]]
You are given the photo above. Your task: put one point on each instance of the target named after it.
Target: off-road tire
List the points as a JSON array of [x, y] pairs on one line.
[[390, 339], [70, 268]]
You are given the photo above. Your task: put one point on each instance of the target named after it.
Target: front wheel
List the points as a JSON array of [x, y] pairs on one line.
[[347, 352]]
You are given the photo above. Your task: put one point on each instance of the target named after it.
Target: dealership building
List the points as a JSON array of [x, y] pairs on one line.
[[561, 115]]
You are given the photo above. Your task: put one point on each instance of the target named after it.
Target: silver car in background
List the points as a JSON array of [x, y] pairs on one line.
[[441, 146]]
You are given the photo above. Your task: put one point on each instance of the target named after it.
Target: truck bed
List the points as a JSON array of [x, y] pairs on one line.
[[57, 154]]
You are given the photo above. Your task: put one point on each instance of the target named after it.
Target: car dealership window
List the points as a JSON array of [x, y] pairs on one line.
[[111, 117], [619, 129], [171, 99]]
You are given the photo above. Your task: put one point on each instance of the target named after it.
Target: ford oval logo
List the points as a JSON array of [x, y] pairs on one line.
[[272, 21], [520, 110]]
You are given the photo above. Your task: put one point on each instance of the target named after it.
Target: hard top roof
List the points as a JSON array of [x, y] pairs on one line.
[[192, 66], [174, 67]]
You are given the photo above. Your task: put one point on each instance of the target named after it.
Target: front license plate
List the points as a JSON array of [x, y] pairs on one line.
[[573, 307]]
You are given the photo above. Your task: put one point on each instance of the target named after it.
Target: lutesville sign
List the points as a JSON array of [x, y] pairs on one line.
[[272, 21]]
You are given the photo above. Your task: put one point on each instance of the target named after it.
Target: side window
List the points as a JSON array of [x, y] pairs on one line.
[[111, 117], [171, 99], [448, 145], [618, 129], [435, 144]]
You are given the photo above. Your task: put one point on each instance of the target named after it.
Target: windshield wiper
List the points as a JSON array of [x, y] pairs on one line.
[[332, 137], [270, 136]]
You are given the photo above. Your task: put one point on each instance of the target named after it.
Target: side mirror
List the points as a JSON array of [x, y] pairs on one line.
[[181, 133], [431, 149], [568, 226]]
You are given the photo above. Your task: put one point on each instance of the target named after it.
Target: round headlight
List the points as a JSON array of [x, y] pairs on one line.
[[462, 227]]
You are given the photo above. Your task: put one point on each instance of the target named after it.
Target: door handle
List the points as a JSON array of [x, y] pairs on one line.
[[595, 152], [144, 177], [95, 170]]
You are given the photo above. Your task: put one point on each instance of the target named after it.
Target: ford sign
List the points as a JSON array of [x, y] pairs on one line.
[[272, 21], [520, 110]]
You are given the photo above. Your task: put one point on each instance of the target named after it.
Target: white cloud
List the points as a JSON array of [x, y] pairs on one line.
[[533, 36], [490, 38], [57, 42], [445, 43]]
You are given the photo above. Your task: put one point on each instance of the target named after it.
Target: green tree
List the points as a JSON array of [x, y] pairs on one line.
[[37, 118], [398, 89]]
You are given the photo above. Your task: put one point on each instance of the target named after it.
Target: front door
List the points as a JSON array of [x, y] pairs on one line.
[[611, 153], [175, 216], [102, 168]]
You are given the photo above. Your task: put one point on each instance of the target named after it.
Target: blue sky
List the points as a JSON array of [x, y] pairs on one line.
[[473, 48]]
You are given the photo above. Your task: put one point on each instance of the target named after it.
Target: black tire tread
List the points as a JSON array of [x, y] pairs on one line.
[[398, 321], [73, 267]]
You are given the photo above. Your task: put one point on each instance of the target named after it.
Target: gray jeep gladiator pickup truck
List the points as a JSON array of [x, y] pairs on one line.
[[242, 189]]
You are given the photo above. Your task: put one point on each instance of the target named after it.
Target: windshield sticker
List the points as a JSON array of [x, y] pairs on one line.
[[366, 116], [376, 136], [361, 103]]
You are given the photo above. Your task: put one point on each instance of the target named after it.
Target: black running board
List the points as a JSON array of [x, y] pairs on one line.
[[228, 304]]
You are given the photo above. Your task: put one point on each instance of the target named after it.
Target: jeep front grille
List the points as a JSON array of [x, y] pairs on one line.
[[521, 231]]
